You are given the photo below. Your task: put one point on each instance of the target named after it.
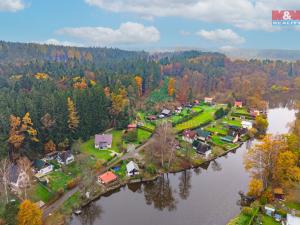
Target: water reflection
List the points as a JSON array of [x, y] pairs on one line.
[[159, 193], [216, 166], [90, 214], [185, 184]]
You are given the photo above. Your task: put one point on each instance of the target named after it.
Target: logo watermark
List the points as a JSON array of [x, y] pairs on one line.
[[285, 17]]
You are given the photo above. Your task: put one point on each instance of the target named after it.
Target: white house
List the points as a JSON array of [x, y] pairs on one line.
[[208, 100], [247, 124], [132, 169], [292, 220], [42, 167], [103, 141], [65, 158]]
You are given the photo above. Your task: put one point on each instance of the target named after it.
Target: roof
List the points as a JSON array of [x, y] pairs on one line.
[[64, 155], [103, 138], [132, 166], [195, 143], [278, 191], [39, 164], [227, 138], [107, 177], [238, 103], [203, 133], [208, 99], [203, 148], [166, 112], [132, 126], [244, 122], [14, 173], [189, 133]]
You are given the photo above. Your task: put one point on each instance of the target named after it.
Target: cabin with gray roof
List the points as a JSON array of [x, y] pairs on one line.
[[103, 141]]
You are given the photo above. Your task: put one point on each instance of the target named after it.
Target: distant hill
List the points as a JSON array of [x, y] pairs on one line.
[[272, 54], [26, 52]]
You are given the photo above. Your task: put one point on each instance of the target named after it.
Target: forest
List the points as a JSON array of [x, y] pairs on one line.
[[53, 95]]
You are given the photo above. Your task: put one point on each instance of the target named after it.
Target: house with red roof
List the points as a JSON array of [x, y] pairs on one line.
[[107, 177], [189, 136], [238, 104]]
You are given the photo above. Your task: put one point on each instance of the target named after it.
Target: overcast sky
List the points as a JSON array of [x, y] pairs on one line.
[[149, 24]]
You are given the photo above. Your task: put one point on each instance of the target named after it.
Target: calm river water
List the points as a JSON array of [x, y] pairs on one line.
[[203, 196]]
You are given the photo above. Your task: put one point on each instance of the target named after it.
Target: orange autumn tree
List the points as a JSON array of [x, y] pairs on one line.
[[139, 84], [73, 118], [80, 84], [29, 214], [18, 130]]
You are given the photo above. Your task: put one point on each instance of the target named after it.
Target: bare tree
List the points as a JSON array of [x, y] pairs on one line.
[[163, 146], [25, 176], [4, 176]]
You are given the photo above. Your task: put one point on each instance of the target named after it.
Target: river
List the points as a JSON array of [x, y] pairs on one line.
[[202, 196]]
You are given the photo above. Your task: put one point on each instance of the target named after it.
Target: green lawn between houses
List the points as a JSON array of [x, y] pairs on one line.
[[202, 118], [39, 192], [217, 129], [142, 135], [267, 220]]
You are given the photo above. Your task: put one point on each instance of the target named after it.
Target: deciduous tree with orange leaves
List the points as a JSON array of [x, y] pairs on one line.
[[255, 187], [29, 214]]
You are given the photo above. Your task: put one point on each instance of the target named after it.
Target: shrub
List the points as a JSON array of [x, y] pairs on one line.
[[131, 135], [247, 211], [60, 191], [151, 169], [73, 183], [10, 213]]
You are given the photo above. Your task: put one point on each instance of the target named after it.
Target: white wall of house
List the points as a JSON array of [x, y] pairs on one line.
[[187, 139], [46, 170]]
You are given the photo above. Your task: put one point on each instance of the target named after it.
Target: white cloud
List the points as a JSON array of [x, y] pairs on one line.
[[222, 36], [11, 5], [227, 48], [53, 41], [245, 14], [128, 33]]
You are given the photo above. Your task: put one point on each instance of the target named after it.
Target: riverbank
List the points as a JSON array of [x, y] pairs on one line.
[[102, 190]]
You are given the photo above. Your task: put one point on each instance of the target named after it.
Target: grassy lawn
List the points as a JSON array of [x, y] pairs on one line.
[[267, 220], [293, 205], [142, 135], [71, 203], [235, 122], [241, 111], [240, 220], [117, 140], [217, 129], [39, 192], [206, 116], [57, 180]]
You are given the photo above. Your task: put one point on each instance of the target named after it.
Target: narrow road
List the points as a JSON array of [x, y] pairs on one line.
[[55, 205]]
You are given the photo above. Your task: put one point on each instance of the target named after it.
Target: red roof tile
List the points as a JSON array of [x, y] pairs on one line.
[[107, 177]]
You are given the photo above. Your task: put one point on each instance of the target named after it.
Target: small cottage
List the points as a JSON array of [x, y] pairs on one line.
[[238, 104], [103, 141], [247, 124], [255, 113], [269, 210], [208, 100], [107, 178], [203, 149], [132, 169], [41, 167], [165, 113], [278, 193], [203, 135], [189, 136], [131, 126], [230, 139], [65, 158]]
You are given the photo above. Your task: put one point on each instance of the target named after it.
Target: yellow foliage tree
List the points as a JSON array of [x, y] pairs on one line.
[[73, 118], [41, 76], [29, 214], [50, 146], [171, 86], [255, 187], [139, 82]]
